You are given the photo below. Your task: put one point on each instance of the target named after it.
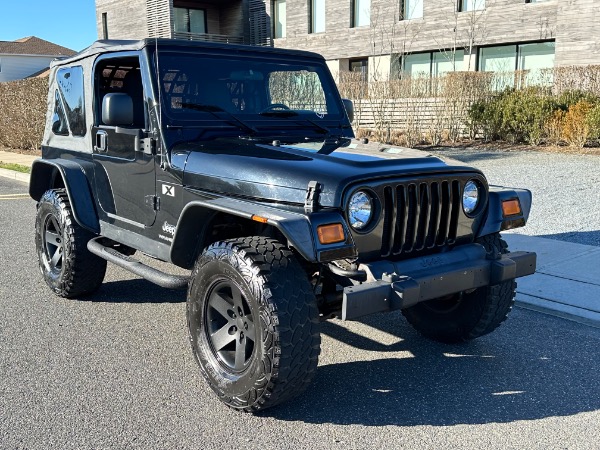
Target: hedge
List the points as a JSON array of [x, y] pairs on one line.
[[23, 113]]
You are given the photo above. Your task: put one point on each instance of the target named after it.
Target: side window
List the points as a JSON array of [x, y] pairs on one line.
[[120, 75], [59, 120], [70, 87]]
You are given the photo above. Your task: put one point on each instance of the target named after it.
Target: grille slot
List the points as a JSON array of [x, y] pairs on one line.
[[419, 216]]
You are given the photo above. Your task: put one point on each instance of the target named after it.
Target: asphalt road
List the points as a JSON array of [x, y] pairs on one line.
[[115, 371]]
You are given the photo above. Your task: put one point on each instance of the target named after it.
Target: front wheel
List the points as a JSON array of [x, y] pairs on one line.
[[67, 266], [466, 315], [252, 321]]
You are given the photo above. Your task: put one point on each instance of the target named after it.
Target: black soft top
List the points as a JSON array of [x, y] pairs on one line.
[[113, 45]]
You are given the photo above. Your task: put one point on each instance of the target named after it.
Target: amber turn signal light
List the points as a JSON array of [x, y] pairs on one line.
[[330, 234], [511, 207], [259, 219]]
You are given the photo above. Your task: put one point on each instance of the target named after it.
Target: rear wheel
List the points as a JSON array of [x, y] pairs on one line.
[[466, 315], [67, 266], [252, 320]]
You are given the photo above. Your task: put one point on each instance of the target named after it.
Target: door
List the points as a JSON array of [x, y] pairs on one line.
[[125, 173]]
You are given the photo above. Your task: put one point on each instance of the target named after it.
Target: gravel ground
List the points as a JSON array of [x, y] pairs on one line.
[[570, 213]]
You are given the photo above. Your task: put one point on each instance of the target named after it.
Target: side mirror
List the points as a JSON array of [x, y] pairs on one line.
[[349, 109], [117, 109]]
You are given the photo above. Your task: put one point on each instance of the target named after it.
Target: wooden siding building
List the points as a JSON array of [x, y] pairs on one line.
[[207, 20], [379, 37]]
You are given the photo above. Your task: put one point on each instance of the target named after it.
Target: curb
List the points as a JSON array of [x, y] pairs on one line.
[[13, 175]]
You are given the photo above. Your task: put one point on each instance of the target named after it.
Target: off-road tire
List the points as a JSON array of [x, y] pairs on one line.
[[76, 271], [467, 315], [274, 295]]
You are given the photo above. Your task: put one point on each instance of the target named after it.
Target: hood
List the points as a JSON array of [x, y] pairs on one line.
[[251, 169]]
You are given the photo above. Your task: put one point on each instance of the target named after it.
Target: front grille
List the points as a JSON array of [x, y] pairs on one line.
[[419, 216]]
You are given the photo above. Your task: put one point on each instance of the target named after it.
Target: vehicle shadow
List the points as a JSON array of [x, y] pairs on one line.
[[578, 237], [135, 291], [533, 367]]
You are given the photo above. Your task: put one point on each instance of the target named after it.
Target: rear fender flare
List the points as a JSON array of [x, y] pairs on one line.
[[45, 175]]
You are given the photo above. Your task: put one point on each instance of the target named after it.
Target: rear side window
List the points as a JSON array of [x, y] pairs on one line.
[[70, 87]]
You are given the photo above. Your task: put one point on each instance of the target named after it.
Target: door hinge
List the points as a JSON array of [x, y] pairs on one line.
[[312, 197], [153, 201]]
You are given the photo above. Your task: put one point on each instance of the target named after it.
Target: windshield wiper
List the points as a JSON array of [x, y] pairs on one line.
[[213, 109], [330, 144], [284, 113]]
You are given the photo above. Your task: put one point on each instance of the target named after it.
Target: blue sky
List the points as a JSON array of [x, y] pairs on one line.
[[70, 23]]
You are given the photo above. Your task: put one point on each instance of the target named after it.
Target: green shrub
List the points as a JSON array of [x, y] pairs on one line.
[[593, 121], [524, 114], [566, 99], [486, 116], [513, 115]]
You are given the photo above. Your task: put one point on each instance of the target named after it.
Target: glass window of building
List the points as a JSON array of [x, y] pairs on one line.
[[471, 5], [361, 13], [360, 66], [532, 58], [279, 18], [498, 59], [317, 16], [447, 61], [187, 20], [412, 9], [417, 64]]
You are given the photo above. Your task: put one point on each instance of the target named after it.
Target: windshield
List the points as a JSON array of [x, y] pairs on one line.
[[201, 87]]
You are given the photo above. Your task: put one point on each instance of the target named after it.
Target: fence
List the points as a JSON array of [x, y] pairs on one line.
[[431, 109]]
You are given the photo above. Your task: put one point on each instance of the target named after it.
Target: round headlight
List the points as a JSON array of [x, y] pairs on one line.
[[470, 198], [360, 210]]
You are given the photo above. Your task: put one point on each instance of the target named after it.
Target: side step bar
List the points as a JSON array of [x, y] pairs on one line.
[[133, 265]]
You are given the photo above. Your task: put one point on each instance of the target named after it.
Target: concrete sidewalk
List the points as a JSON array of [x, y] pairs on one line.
[[16, 158], [566, 283], [567, 279]]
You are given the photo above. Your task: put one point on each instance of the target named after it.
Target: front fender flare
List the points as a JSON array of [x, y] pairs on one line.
[[298, 229], [495, 220]]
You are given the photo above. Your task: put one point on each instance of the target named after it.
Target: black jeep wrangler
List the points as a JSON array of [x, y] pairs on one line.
[[239, 164]]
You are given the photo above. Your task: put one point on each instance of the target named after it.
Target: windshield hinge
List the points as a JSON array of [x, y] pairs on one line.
[[153, 201], [312, 197]]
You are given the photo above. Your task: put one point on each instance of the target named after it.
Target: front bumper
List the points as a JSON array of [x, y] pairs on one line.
[[398, 285]]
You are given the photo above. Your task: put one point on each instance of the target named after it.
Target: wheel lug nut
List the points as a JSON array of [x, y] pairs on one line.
[[246, 325]]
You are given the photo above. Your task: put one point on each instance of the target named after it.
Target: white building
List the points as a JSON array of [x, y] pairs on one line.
[[27, 56]]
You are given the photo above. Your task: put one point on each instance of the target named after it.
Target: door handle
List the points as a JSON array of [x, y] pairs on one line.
[[101, 141]]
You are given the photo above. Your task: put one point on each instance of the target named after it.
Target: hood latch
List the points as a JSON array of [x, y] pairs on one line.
[[311, 203]]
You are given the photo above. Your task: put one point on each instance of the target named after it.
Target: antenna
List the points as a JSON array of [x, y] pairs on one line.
[[159, 115], [156, 32]]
